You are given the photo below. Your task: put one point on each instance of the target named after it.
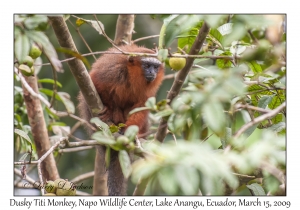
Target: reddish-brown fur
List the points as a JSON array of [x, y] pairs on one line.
[[122, 86]]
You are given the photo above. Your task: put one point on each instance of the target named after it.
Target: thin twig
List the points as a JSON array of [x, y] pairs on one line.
[[82, 193], [82, 38], [143, 54], [44, 157], [83, 177], [25, 162], [75, 138], [252, 37], [29, 179], [170, 76], [83, 143], [260, 119], [144, 38], [274, 171], [77, 149], [174, 137], [75, 127], [54, 88], [105, 35], [259, 91], [246, 106]]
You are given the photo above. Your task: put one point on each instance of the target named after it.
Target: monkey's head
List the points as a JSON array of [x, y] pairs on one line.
[[149, 66]]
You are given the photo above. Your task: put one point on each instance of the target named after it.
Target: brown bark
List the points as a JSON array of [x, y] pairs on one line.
[[89, 93], [39, 130], [124, 29]]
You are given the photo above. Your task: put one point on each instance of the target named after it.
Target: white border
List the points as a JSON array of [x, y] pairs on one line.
[[189, 7]]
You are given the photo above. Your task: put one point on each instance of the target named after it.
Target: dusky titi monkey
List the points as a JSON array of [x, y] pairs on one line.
[[123, 83]]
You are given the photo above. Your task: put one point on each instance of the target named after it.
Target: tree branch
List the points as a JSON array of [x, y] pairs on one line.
[[260, 119], [180, 77], [77, 67], [124, 29], [89, 93], [39, 129]]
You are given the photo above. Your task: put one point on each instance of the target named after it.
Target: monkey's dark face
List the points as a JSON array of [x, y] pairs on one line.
[[150, 66]]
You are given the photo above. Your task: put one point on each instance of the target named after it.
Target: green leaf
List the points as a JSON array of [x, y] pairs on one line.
[[247, 119], [278, 127], [51, 81], [39, 37], [164, 113], [37, 65], [188, 179], [125, 163], [135, 110], [237, 48], [80, 22], [226, 28], [66, 99], [239, 30], [151, 103], [121, 125], [97, 25], [24, 157], [102, 126], [224, 63], [49, 92], [276, 101], [186, 40], [225, 139], [162, 55], [256, 189], [213, 20], [254, 66], [74, 54], [278, 118], [131, 132], [216, 37], [179, 25], [98, 136], [23, 135], [254, 88], [271, 183], [214, 116], [17, 31], [34, 21], [264, 101], [113, 128], [22, 47], [167, 20], [168, 181]]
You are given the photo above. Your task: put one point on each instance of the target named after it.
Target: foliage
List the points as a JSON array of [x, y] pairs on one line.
[[239, 75]]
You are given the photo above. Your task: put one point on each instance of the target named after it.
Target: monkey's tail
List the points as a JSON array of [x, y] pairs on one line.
[[116, 182]]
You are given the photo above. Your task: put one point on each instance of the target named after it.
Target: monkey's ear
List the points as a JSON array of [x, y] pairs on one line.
[[130, 59]]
